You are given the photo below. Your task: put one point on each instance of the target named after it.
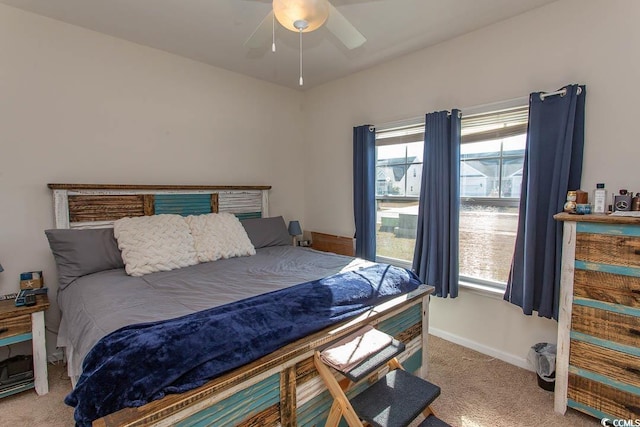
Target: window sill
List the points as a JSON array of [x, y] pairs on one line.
[[483, 290], [486, 290]]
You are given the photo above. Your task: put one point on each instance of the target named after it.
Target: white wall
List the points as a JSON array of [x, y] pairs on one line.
[[590, 42], [80, 107]]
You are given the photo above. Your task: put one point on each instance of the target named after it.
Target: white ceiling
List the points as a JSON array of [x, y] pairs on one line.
[[213, 31]]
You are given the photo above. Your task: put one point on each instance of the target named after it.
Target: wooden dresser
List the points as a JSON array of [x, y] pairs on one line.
[[598, 360]]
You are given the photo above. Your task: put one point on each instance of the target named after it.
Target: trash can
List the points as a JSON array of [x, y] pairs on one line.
[[542, 357]]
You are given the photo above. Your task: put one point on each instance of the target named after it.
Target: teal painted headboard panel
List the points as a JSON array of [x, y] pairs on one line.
[[182, 204]]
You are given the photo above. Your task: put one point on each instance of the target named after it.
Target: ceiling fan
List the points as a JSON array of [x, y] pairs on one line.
[[303, 16]]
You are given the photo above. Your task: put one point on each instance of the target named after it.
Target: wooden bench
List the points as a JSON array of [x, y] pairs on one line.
[[393, 400]]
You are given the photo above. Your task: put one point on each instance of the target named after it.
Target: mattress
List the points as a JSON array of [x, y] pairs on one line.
[[95, 305]]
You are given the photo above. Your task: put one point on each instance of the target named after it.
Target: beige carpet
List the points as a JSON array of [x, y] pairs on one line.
[[477, 391], [29, 409], [480, 391]]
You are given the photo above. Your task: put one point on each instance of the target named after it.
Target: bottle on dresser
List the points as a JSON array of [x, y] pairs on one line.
[[622, 201], [635, 203], [599, 199]]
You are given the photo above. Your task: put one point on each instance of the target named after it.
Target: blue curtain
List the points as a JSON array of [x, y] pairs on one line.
[[435, 258], [552, 166], [364, 181]]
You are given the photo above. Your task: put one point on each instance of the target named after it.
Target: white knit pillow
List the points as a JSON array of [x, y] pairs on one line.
[[218, 236], [154, 243]]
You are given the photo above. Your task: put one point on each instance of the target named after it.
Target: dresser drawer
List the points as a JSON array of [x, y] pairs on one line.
[[607, 325], [618, 366], [607, 287], [15, 326], [608, 249], [604, 398]]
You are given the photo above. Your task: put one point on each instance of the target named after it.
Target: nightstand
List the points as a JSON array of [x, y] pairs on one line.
[[24, 324], [329, 243]]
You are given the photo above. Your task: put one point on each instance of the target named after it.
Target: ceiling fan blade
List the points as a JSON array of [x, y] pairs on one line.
[[261, 35], [343, 29]]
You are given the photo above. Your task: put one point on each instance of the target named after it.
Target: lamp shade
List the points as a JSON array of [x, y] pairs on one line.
[[294, 228], [313, 12]]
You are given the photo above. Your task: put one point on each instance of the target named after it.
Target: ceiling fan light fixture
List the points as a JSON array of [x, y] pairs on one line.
[[313, 12]]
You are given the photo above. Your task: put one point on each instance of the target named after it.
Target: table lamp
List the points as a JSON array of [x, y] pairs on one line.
[[295, 230]]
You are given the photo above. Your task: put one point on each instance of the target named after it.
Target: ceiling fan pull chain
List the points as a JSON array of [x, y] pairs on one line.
[[301, 80], [273, 33]]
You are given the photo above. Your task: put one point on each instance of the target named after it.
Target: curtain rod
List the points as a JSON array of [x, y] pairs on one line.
[[561, 92], [468, 111], [413, 121], [510, 103]]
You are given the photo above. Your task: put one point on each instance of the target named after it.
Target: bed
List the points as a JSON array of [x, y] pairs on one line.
[[264, 376]]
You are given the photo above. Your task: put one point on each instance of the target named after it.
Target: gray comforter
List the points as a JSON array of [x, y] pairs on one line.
[[100, 303]]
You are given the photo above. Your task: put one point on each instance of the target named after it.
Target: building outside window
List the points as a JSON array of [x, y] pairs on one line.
[[492, 156]]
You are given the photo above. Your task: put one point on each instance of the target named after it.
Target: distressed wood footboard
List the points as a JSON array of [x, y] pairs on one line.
[[283, 388]]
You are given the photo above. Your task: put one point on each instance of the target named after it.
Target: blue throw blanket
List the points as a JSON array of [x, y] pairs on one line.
[[141, 363]]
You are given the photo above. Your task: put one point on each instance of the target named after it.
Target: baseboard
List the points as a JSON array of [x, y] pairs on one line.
[[481, 348]]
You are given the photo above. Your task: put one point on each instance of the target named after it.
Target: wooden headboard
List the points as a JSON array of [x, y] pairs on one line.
[[99, 205]]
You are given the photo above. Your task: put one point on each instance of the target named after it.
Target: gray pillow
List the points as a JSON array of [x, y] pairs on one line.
[[81, 252], [265, 232]]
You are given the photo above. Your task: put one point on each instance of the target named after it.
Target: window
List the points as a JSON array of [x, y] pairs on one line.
[[491, 163], [398, 174], [492, 156]]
